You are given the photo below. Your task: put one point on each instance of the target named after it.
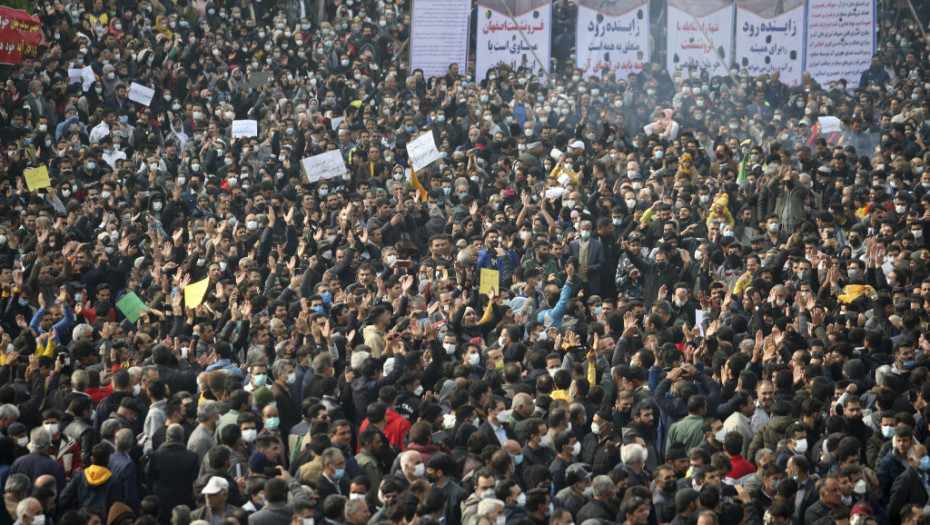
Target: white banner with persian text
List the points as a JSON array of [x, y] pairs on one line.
[[840, 39], [700, 33], [767, 41], [607, 38], [515, 32], [439, 35]]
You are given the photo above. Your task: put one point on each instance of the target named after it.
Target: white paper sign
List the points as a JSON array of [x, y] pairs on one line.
[[554, 192], [422, 151], [244, 128], [75, 76], [840, 40], [688, 47], [516, 40], [439, 35], [334, 122], [829, 124], [699, 319], [324, 166], [612, 36], [88, 76], [141, 94]]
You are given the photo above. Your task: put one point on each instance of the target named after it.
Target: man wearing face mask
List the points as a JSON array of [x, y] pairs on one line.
[[578, 490]]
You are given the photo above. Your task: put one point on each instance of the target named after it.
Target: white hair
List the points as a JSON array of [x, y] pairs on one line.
[[9, 411], [358, 359], [80, 331], [489, 505], [632, 454], [22, 508], [406, 459], [39, 440]]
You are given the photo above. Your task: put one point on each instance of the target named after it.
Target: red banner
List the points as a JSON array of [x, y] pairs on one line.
[[20, 34]]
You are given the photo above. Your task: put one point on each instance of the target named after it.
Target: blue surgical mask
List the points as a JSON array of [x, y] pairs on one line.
[[327, 297], [317, 309], [340, 472], [123, 119], [908, 364], [518, 459], [410, 129], [618, 222], [447, 190], [23, 302], [272, 423], [925, 463]]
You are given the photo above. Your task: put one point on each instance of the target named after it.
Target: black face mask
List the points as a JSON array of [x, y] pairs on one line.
[[733, 260], [669, 487]]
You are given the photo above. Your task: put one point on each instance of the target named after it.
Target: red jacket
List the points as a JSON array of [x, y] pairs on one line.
[[395, 429]]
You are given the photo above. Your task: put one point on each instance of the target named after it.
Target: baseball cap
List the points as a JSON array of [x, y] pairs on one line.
[[577, 472], [215, 486]]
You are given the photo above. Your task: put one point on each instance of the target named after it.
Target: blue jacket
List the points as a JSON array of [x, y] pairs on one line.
[[37, 464], [553, 316]]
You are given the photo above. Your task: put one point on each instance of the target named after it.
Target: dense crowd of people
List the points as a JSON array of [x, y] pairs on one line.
[[665, 298]]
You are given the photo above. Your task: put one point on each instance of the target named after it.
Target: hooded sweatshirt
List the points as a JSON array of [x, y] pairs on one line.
[[97, 475]]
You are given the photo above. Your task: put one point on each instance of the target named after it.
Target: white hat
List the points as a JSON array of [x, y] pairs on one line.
[[215, 486], [578, 144]]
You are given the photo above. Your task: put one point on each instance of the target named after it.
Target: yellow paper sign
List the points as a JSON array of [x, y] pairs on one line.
[[193, 293], [489, 278], [37, 178]]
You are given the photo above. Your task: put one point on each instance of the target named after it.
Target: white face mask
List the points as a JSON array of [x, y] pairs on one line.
[[51, 428], [595, 429], [23, 441], [249, 435], [801, 446], [419, 470], [418, 391], [450, 348], [576, 450], [474, 359], [860, 487]]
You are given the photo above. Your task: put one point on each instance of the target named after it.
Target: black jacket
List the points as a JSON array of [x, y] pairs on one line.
[[907, 488], [597, 510], [173, 470]]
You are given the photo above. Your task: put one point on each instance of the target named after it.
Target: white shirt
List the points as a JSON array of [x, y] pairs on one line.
[[499, 432]]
